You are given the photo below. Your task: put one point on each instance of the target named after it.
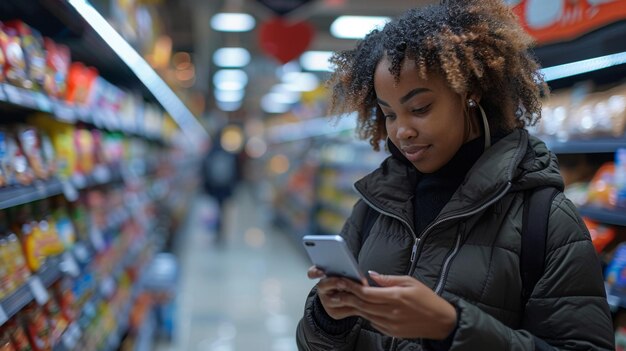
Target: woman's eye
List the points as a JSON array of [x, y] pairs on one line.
[[389, 115], [421, 110]]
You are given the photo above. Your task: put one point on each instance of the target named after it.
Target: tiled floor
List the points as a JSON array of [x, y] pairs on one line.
[[247, 294]]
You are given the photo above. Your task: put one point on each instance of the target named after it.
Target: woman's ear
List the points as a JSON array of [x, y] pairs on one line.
[[473, 96]]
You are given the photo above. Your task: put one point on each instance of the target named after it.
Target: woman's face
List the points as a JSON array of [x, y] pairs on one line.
[[424, 118]]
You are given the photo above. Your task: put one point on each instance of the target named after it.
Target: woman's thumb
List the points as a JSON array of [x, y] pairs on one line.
[[385, 280]]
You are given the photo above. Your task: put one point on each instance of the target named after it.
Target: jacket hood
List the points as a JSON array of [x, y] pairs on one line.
[[517, 162]]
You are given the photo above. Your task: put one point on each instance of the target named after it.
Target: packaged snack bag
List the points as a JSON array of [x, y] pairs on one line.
[[18, 334], [15, 63], [21, 273], [31, 146], [37, 328], [58, 60], [5, 342], [32, 45], [80, 81], [58, 323]]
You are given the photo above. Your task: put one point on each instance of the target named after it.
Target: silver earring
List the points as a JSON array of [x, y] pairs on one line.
[[471, 103]]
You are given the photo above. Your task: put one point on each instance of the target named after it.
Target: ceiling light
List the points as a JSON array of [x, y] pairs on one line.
[[230, 79], [232, 22], [584, 66], [316, 60], [269, 105], [300, 81], [229, 95], [231, 57], [228, 105], [356, 27], [284, 94]]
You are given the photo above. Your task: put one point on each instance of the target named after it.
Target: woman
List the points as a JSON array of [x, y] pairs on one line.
[[451, 88]]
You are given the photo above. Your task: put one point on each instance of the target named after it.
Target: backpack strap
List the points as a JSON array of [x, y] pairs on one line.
[[537, 204]]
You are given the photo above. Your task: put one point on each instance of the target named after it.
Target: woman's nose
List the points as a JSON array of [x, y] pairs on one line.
[[405, 130]]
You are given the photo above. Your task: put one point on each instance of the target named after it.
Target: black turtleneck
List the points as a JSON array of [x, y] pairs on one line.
[[434, 190]]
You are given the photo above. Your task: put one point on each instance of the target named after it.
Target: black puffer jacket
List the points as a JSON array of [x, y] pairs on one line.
[[470, 256]]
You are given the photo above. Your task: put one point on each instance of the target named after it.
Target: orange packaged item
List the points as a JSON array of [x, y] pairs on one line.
[[85, 151], [24, 225], [21, 273], [602, 191], [601, 235], [80, 81]]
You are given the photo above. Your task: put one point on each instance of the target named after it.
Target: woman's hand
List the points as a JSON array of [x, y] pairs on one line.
[[329, 289], [401, 306]]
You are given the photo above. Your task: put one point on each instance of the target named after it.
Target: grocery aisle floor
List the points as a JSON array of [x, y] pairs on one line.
[[247, 294]]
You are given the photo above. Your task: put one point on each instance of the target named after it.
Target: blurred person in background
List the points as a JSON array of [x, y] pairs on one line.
[[450, 87], [221, 174]]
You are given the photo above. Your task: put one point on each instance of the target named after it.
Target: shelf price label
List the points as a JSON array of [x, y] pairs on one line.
[[69, 266], [43, 103], [39, 291], [3, 316], [79, 180], [69, 190], [102, 174], [81, 252], [13, 94], [64, 112]]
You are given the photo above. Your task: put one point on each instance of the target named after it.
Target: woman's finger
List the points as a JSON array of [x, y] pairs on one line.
[[314, 273]]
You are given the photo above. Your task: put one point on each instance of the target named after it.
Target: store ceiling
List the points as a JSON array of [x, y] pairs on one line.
[[188, 23]]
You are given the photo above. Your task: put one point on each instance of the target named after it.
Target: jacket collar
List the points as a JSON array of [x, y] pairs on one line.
[[517, 161]]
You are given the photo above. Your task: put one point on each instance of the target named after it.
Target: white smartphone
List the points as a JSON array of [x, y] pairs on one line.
[[331, 254]]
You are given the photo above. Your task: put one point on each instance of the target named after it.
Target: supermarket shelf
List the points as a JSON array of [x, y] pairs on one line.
[[18, 195], [31, 101], [12, 196], [599, 145], [603, 215], [25, 294]]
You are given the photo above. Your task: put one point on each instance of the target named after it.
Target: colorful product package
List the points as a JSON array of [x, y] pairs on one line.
[[31, 146], [80, 81], [18, 334], [58, 60], [15, 63], [32, 45], [38, 328]]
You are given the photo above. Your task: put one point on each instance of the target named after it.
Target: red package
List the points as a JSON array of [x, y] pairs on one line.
[[58, 62], [80, 81]]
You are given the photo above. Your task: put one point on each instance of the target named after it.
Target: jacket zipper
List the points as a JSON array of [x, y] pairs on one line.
[[427, 231], [417, 246], [444, 271]]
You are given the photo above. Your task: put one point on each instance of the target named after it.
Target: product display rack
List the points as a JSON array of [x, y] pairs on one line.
[[590, 146], [109, 271]]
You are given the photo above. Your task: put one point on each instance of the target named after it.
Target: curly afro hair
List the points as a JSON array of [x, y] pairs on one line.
[[476, 45]]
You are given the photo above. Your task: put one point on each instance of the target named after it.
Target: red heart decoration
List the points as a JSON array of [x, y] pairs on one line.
[[285, 41]]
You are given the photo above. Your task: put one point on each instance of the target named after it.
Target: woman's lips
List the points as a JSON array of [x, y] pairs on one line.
[[415, 152]]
